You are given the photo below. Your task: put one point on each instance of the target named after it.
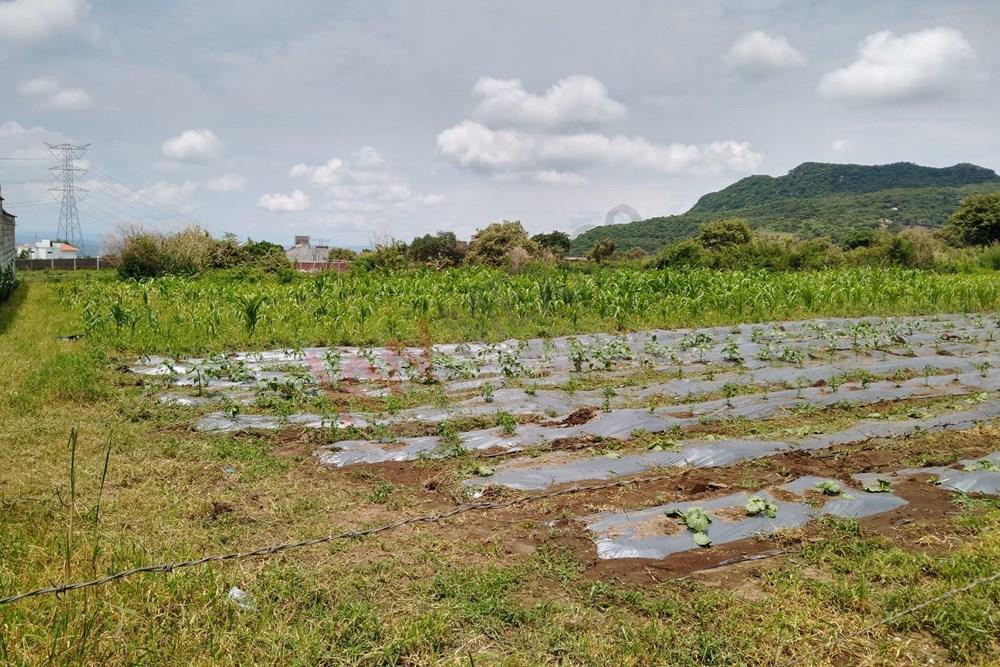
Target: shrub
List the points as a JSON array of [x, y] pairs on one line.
[[724, 233], [602, 251], [336, 254], [977, 220], [493, 244], [387, 256], [143, 257], [441, 249], [145, 254], [557, 243]]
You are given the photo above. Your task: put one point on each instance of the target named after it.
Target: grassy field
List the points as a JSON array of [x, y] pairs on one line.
[[500, 588]]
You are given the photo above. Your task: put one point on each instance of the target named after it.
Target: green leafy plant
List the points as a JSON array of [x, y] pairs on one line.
[[697, 521], [879, 486], [756, 505], [982, 466]]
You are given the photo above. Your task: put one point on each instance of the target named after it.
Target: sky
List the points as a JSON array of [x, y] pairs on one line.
[[355, 122]]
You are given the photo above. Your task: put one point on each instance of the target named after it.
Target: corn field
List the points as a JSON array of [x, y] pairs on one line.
[[226, 312]]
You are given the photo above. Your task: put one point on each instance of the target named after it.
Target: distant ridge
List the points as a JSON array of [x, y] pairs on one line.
[[816, 199]]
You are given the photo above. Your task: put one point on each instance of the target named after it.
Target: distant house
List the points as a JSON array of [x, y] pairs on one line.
[[305, 251], [7, 252], [47, 249], [309, 257]]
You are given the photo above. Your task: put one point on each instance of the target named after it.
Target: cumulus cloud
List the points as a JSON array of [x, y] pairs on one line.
[[545, 158], [193, 146], [161, 195], [17, 140], [757, 55], [281, 203], [362, 183], [231, 182], [26, 21], [51, 95], [892, 68], [575, 100]]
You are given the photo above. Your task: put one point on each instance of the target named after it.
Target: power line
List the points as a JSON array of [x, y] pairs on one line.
[[66, 171], [161, 208]]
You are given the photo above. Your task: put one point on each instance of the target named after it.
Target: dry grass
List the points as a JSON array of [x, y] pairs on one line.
[[457, 594]]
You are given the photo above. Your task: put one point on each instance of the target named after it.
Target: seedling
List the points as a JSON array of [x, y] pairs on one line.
[[697, 521], [759, 505], [487, 392], [879, 486], [982, 466]]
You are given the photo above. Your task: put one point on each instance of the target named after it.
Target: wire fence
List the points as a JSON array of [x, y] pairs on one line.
[[270, 550]]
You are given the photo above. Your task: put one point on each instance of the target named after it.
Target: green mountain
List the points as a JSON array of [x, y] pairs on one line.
[[816, 199]]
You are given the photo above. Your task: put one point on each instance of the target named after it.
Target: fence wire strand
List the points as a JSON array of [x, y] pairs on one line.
[[269, 550]]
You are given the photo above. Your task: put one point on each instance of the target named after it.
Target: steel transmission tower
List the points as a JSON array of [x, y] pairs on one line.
[[66, 191]]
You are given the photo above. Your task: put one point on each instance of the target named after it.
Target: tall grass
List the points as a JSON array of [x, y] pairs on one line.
[[224, 311]]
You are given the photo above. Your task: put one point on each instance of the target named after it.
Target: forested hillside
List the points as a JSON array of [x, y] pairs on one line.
[[816, 199]]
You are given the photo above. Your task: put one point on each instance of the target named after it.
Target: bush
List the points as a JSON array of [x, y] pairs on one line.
[[337, 254], [493, 244], [724, 233], [7, 282], [388, 256], [602, 251], [557, 243], [682, 253], [977, 220], [145, 254], [143, 257], [441, 249]]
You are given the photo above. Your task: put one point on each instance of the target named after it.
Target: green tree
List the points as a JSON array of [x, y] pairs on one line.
[[602, 250], [977, 220], [557, 242], [442, 248], [336, 254], [493, 244], [724, 233]]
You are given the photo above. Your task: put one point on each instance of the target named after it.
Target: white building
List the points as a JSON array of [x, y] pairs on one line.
[[46, 249]]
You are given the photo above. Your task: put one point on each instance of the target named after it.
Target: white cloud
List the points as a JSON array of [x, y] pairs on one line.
[[758, 54], [25, 21], [16, 140], [433, 200], [323, 175], [897, 68], [193, 146], [575, 100], [231, 182], [363, 183], [556, 158], [840, 145], [51, 95], [279, 203], [161, 195], [71, 99], [40, 86]]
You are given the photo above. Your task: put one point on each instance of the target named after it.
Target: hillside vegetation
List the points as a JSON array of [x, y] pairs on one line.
[[815, 200]]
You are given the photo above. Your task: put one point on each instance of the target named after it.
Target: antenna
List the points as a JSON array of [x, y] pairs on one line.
[[65, 191]]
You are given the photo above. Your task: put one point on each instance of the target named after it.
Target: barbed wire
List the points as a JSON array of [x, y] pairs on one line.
[[269, 550]]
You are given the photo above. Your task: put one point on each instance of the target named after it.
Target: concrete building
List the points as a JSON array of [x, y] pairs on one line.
[[47, 249], [305, 251], [307, 257], [7, 251]]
